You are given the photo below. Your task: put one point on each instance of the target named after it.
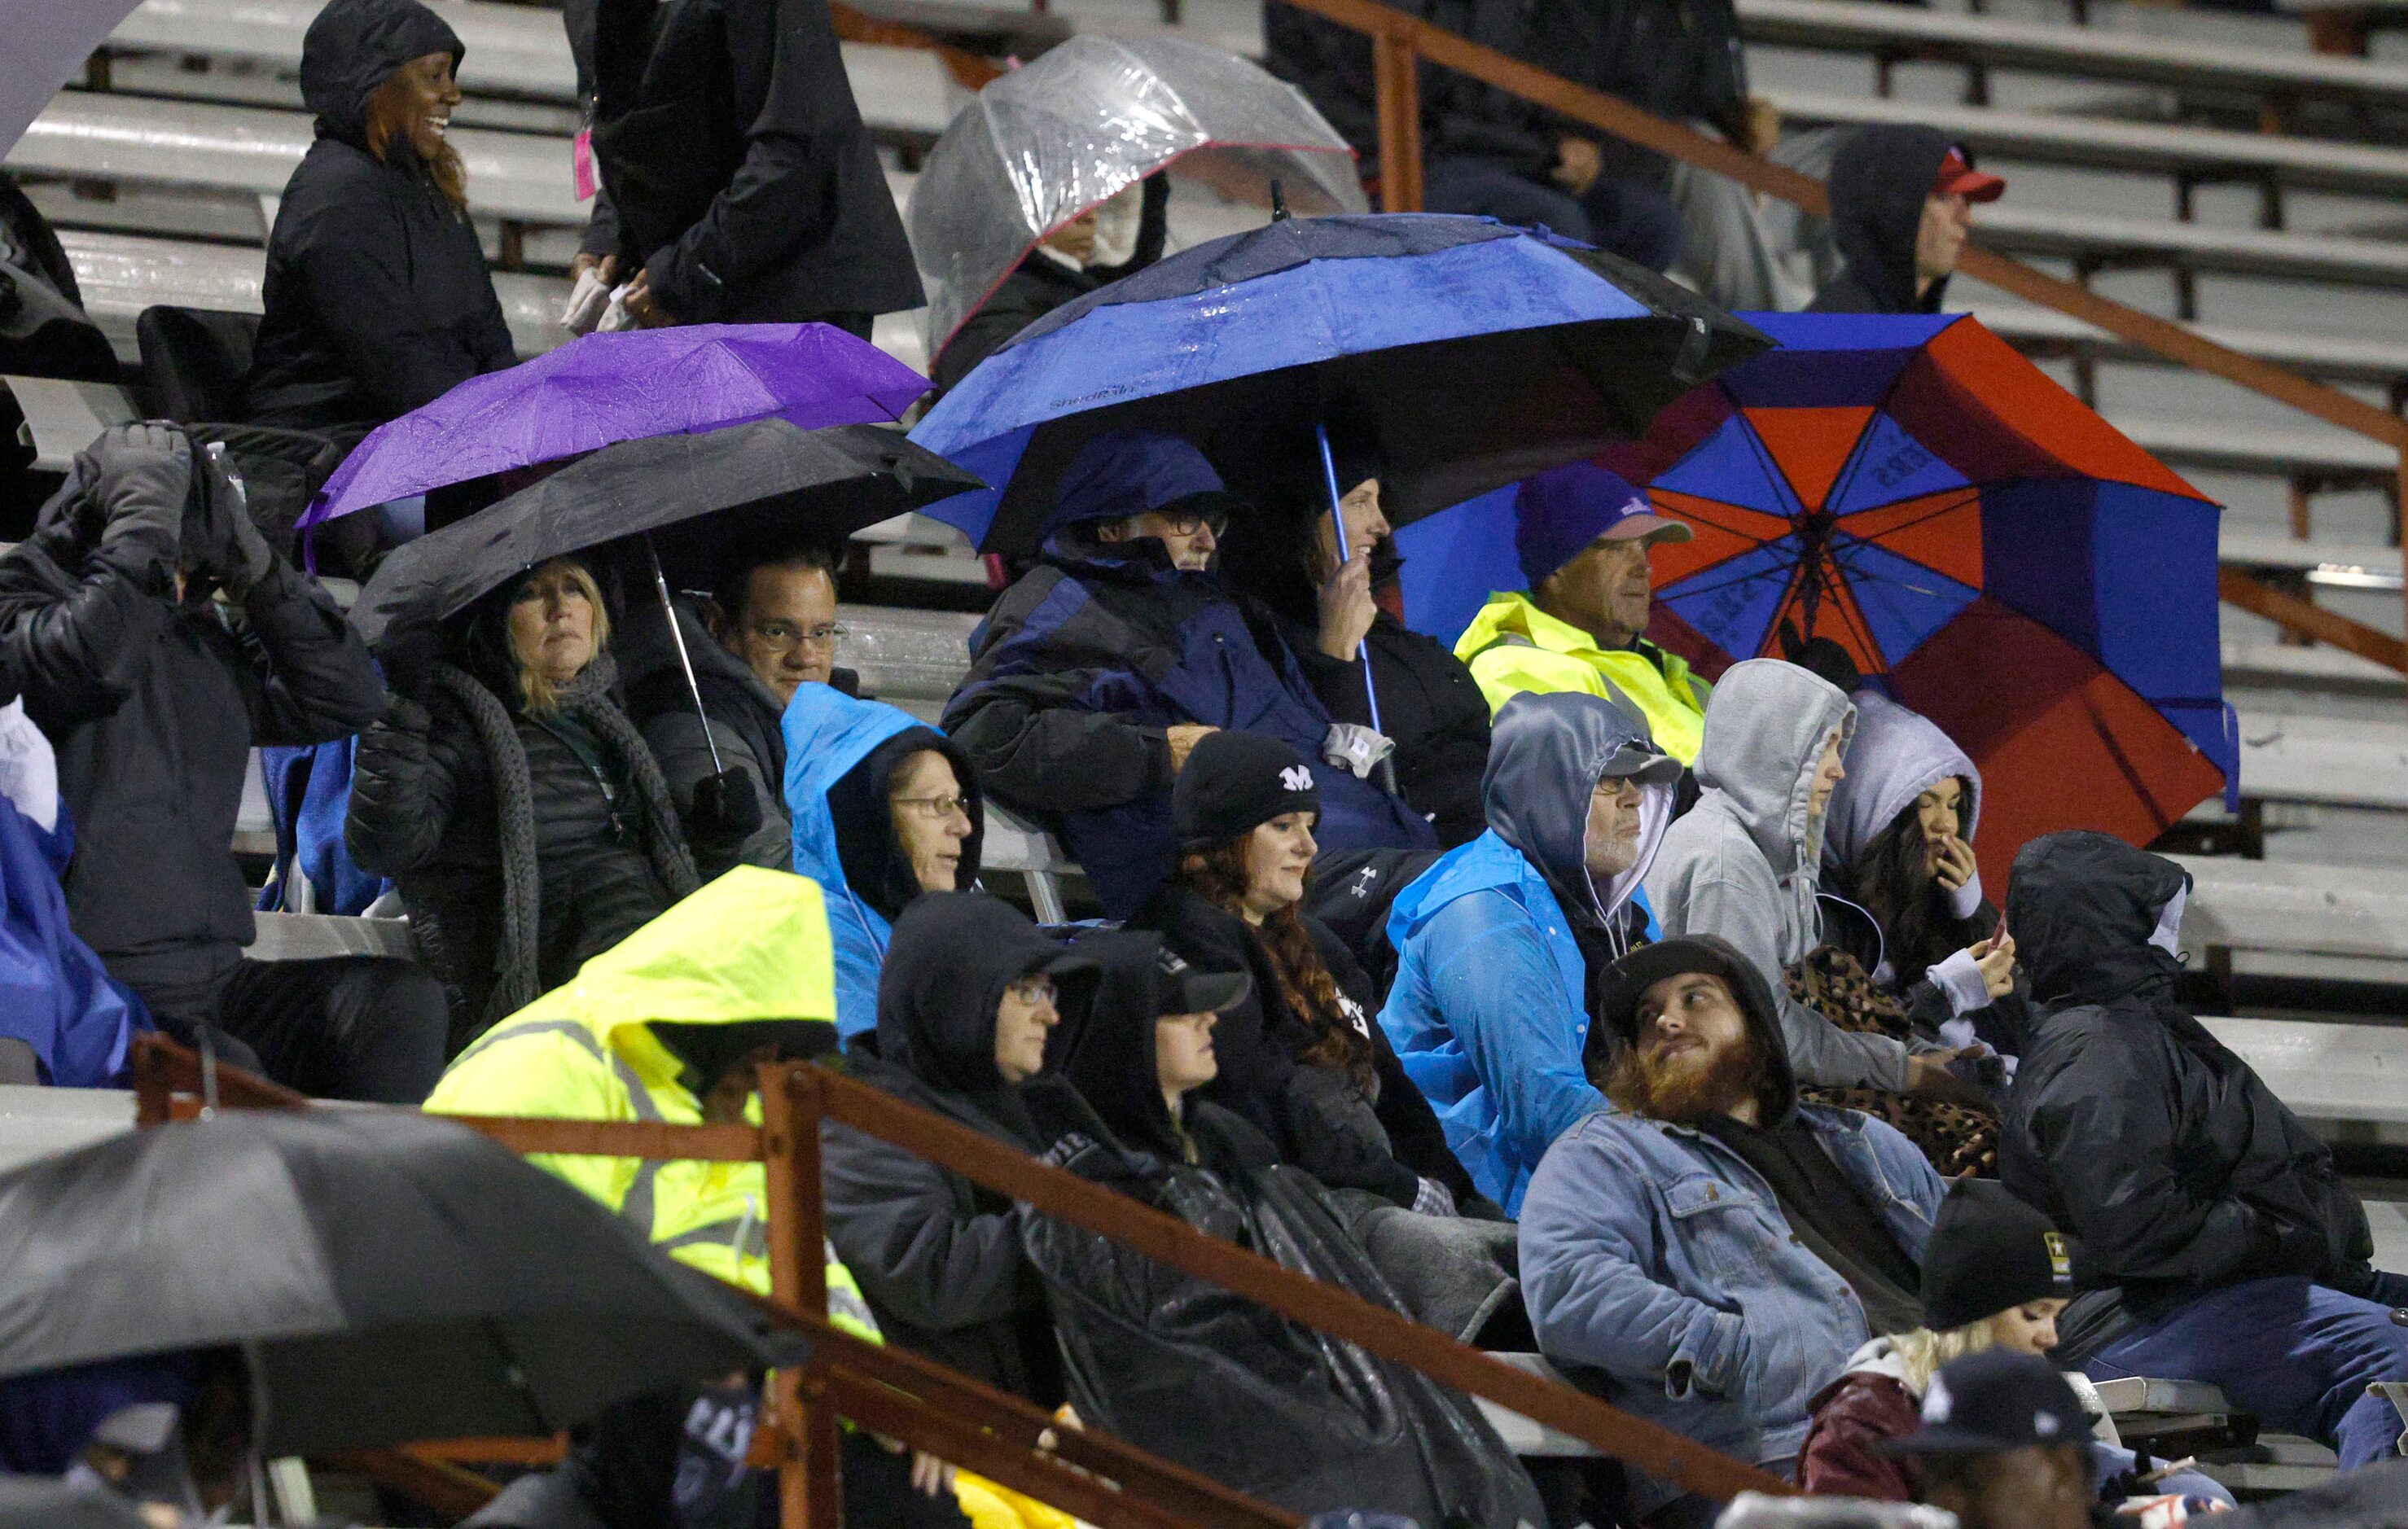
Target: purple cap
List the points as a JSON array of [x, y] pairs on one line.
[[1563, 509]]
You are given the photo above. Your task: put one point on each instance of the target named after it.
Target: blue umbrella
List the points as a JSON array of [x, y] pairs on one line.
[[1471, 355]]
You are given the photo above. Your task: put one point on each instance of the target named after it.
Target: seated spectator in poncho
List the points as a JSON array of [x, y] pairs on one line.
[[1500, 943], [1710, 1252], [885, 809], [1300, 1057], [1099, 670], [2215, 1241]]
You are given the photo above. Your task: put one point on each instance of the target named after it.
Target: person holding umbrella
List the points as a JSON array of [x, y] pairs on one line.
[[1122, 233], [1098, 673], [522, 814]]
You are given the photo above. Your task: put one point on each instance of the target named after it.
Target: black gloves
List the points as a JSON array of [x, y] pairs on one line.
[[725, 805], [408, 650], [218, 535], [141, 476]]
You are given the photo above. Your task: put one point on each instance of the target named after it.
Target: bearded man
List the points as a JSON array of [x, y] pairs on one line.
[[1709, 1252]]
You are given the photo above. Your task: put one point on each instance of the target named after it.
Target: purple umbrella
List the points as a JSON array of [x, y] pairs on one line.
[[602, 389]]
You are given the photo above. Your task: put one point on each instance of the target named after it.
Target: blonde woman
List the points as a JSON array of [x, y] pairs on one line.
[[376, 297], [505, 791]]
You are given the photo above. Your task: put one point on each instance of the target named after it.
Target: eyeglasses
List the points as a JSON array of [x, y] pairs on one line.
[[1033, 990], [785, 637], [935, 806], [1187, 522]]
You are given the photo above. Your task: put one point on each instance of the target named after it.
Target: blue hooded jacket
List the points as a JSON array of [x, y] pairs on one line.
[[1084, 662], [828, 734], [54, 995], [1489, 1009]]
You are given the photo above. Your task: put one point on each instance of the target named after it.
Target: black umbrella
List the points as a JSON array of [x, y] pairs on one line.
[[767, 479], [41, 1502], [389, 1275]]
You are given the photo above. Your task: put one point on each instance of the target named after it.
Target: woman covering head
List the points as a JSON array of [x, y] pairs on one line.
[[1301, 1057], [1898, 850], [970, 992], [377, 296], [1145, 1046], [885, 810], [508, 796]]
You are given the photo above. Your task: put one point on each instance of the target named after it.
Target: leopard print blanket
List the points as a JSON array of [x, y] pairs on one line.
[[1955, 1139]]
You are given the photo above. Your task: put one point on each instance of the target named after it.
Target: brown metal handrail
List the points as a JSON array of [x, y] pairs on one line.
[[1400, 42], [950, 1415]]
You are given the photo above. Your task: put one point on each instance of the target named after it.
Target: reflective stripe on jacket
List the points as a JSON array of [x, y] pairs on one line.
[[1512, 645], [753, 944]]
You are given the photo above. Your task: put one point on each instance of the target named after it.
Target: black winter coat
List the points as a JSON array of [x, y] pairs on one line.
[[1314, 1116], [2130, 1125], [738, 164], [1879, 181], [153, 707], [422, 812], [1430, 706], [377, 296], [746, 728]]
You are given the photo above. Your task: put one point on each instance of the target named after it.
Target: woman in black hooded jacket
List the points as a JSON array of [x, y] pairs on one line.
[[376, 297]]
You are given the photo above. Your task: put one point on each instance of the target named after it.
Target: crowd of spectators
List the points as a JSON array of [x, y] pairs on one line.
[[1517, 1014]]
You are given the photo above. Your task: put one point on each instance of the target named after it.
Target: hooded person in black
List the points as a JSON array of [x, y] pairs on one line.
[[746, 186], [1901, 201], [939, 1257], [377, 296], [2239, 1257]]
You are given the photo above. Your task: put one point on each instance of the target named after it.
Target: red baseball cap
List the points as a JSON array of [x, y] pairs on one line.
[[1957, 174]]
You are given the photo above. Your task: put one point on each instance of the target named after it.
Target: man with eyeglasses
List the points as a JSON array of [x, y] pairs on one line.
[[1097, 672], [768, 629]]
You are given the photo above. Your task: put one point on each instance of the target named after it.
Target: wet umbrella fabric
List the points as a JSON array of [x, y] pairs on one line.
[[1470, 353], [397, 1277], [627, 386], [763, 479], [1091, 118], [1985, 546]]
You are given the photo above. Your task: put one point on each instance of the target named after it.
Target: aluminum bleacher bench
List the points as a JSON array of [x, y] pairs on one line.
[[2329, 564], [1981, 43], [2095, 242], [2342, 923], [2331, 358], [35, 1123], [122, 274], [315, 937], [2322, 456], [2191, 155], [2329, 1072]]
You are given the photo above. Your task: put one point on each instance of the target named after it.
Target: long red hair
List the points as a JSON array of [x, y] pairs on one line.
[[1218, 874]]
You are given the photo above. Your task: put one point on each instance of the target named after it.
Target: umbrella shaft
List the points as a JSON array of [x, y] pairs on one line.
[[685, 661], [1345, 555]]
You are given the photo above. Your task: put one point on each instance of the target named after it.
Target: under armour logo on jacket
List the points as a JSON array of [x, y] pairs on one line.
[[1295, 778]]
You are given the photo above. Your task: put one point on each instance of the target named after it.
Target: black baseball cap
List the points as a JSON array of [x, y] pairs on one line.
[[1992, 1401], [1180, 989]]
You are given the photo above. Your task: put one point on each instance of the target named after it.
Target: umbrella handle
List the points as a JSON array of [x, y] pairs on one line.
[[1346, 554], [677, 636]]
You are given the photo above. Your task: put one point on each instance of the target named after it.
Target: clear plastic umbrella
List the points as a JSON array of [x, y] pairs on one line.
[[1091, 117]]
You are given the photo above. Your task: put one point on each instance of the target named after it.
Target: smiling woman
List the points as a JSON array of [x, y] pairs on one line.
[[376, 297]]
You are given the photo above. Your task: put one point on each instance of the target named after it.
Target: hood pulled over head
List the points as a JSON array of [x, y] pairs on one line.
[[1766, 727], [1129, 472], [952, 955], [1545, 757], [1879, 181], [841, 756], [354, 47], [1626, 982], [1109, 1056], [2089, 913], [1894, 757]]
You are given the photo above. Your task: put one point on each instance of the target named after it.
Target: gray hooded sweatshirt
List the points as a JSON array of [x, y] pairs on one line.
[[1742, 863]]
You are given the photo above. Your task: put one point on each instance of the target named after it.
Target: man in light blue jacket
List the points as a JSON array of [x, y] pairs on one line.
[[1497, 941], [1708, 1253]]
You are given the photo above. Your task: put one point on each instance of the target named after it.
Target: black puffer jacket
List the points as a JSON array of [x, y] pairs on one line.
[[1879, 182], [153, 705], [424, 811], [2176, 1168], [1315, 1116], [742, 177], [377, 296], [938, 1256]]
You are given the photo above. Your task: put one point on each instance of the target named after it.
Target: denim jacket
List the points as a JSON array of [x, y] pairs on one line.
[[1657, 1260]]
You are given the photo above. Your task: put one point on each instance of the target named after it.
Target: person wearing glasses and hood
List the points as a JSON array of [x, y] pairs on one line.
[[2233, 1252], [1096, 673], [1500, 943], [376, 298], [970, 994], [885, 809]]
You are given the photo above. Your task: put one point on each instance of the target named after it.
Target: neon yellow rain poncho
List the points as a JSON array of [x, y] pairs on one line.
[[1512, 645]]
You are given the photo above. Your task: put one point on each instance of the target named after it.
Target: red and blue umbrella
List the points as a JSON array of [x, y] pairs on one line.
[[1985, 546]]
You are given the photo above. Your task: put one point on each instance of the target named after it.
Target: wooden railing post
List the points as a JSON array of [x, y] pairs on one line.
[[809, 1489], [1396, 79]]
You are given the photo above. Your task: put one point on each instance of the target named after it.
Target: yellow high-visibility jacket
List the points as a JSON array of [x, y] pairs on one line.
[[1512, 645]]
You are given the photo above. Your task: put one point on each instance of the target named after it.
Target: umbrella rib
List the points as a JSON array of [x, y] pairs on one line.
[[1972, 495], [1733, 530], [1781, 571]]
